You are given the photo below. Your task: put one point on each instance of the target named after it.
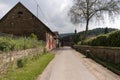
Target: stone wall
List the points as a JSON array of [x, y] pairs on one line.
[[109, 54], [7, 57]]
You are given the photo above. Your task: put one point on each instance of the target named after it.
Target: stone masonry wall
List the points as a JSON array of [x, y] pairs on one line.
[[7, 57], [109, 54]]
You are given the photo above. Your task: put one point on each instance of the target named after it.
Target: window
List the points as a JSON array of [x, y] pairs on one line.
[[20, 12]]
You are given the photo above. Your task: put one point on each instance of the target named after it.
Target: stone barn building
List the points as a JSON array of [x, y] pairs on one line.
[[20, 21]]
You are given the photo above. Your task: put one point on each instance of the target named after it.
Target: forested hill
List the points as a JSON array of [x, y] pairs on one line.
[[66, 34], [97, 31], [91, 33]]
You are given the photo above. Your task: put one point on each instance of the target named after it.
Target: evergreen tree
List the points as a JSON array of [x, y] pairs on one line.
[[106, 30]]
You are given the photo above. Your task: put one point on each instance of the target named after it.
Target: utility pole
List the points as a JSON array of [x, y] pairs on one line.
[[37, 10], [75, 36], [106, 30]]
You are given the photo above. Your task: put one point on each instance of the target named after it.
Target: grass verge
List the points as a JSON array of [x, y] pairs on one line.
[[31, 70]]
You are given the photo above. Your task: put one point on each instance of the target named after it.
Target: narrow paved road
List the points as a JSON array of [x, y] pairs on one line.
[[71, 65]]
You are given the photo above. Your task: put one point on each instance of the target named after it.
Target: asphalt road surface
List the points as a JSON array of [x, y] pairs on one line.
[[68, 64]]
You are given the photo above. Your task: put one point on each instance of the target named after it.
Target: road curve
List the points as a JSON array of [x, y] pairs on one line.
[[71, 65]]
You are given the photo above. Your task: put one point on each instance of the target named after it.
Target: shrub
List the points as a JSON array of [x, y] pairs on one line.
[[9, 43], [20, 63], [33, 36], [5, 44], [111, 39], [99, 41], [114, 39]]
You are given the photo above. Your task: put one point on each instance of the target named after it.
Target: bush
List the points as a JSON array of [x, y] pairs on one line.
[[20, 63], [111, 39], [99, 41], [6, 44], [33, 36], [114, 39], [10, 44]]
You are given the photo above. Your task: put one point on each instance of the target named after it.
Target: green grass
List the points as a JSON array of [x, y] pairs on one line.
[[31, 70], [11, 43]]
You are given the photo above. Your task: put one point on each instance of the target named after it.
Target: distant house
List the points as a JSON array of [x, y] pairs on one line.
[[67, 40], [20, 21]]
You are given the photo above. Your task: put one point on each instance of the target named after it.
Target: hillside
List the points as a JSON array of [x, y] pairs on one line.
[[94, 32], [91, 33], [66, 35], [97, 31]]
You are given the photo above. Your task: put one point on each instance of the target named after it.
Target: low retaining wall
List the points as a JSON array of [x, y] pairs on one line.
[[7, 57], [109, 54]]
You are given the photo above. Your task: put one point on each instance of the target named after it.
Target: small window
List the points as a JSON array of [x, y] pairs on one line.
[[20, 12]]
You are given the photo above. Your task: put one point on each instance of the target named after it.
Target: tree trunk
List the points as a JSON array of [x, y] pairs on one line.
[[86, 31]]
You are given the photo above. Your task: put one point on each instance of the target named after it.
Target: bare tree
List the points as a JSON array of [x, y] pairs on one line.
[[85, 10]]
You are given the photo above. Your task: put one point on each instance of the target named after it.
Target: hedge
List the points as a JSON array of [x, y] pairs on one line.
[[111, 39]]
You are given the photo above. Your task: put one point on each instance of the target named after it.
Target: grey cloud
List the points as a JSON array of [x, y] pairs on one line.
[[55, 13]]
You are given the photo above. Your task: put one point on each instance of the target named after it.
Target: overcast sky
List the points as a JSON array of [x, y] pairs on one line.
[[55, 14]]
